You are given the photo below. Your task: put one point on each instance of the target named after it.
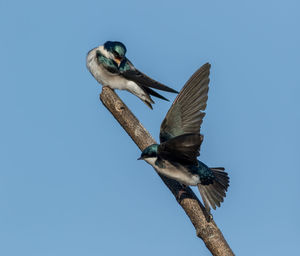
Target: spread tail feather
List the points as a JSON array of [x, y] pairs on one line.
[[213, 194], [146, 98], [148, 104]]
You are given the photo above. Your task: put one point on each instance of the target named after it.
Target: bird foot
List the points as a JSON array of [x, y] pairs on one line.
[[180, 194], [208, 215]]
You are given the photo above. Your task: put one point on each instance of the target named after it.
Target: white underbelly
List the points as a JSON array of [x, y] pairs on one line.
[[178, 173]]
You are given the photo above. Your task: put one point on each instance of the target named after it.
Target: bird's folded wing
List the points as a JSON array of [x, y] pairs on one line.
[[143, 80], [182, 149], [154, 93], [185, 114]]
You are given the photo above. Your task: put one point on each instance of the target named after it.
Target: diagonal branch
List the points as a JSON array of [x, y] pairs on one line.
[[205, 229]]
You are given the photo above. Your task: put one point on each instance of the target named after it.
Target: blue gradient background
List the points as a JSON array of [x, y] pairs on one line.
[[69, 180]]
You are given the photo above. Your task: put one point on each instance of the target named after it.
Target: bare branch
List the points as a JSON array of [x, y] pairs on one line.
[[205, 229]]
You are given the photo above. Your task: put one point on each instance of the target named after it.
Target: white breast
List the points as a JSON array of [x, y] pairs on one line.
[[102, 75], [178, 173]]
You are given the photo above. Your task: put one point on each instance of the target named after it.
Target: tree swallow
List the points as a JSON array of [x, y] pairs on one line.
[[180, 141], [109, 66]]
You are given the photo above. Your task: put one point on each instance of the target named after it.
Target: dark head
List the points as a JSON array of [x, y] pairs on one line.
[[117, 49], [149, 152]]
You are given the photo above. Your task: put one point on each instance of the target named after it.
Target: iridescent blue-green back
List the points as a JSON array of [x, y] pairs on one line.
[[205, 173]]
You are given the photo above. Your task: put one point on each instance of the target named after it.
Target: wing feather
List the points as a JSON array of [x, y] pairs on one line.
[[185, 114], [182, 149], [131, 73]]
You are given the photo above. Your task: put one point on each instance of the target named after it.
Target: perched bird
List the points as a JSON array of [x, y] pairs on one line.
[[108, 64], [180, 140]]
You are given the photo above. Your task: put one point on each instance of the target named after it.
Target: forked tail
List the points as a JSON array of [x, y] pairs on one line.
[[213, 194]]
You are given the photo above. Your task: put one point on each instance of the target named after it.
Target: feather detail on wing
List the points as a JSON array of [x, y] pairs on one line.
[[182, 149], [185, 114]]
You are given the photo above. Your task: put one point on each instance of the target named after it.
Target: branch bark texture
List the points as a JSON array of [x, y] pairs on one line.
[[206, 229]]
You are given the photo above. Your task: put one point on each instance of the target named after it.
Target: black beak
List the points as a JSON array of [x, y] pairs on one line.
[[140, 158]]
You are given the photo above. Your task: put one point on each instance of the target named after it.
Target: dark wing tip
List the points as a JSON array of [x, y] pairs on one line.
[[145, 81], [159, 86], [172, 90], [153, 93], [207, 65]]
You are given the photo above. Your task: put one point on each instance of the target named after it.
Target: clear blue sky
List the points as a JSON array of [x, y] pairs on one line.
[[70, 183]]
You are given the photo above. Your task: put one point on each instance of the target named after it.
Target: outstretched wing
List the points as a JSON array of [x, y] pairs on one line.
[[185, 114], [182, 149], [131, 73]]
